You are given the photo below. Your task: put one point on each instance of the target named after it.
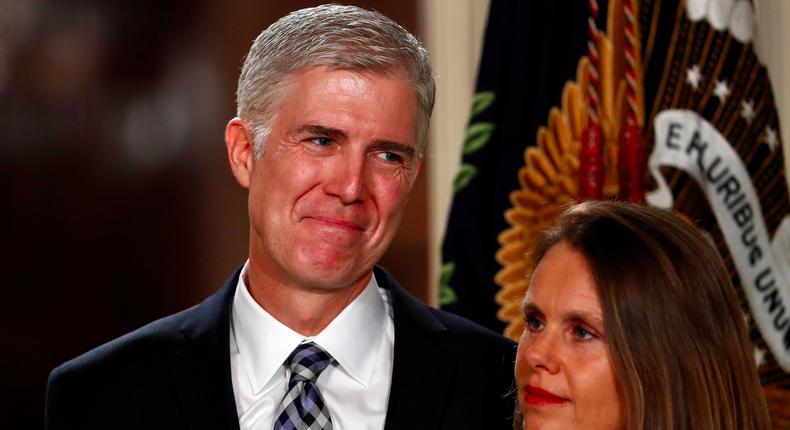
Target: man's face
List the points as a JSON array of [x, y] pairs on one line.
[[326, 197]]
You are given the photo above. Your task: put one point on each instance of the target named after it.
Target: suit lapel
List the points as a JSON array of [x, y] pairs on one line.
[[423, 373], [201, 370]]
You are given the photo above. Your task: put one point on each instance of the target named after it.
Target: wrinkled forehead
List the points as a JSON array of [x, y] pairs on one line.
[[400, 75], [295, 84]]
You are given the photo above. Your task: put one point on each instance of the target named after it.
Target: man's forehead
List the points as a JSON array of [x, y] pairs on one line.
[[342, 99], [366, 74]]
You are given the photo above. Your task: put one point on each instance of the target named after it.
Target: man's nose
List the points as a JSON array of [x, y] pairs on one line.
[[542, 352], [347, 179]]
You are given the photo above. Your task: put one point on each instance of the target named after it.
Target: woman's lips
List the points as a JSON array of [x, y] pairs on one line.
[[539, 397]]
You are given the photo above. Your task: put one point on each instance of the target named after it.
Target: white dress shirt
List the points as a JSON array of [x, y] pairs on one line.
[[355, 387]]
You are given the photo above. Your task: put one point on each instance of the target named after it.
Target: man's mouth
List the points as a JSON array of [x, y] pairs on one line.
[[338, 222]]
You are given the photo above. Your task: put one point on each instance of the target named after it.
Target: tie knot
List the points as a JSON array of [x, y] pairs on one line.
[[307, 361]]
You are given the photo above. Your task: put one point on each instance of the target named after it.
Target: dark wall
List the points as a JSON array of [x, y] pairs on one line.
[[117, 203]]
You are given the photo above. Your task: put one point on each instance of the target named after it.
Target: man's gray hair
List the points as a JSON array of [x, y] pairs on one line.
[[336, 37]]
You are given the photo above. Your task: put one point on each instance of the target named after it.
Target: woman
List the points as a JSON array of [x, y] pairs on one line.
[[632, 323]]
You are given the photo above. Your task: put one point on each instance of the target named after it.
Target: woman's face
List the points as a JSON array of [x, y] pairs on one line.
[[563, 369]]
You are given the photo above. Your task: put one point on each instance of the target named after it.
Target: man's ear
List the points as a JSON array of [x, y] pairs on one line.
[[239, 142], [417, 167]]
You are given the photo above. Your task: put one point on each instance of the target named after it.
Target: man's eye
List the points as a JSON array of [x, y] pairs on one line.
[[390, 156], [322, 141], [533, 324]]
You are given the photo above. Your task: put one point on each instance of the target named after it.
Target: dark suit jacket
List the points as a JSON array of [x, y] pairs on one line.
[[174, 373]]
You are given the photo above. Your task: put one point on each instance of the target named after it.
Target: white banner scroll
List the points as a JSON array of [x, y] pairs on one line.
[[686, 141]]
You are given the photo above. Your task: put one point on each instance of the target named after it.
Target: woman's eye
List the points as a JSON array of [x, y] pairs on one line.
[[581, 333], [533, 324]]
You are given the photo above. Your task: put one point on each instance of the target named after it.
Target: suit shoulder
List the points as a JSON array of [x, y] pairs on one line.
[[472, 331], [151, 342], [130, 370], [485, 360]]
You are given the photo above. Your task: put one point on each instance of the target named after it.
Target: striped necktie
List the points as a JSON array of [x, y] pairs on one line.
[[302, 408]]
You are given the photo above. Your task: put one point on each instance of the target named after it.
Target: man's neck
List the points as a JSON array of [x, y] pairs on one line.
[[303, 309]]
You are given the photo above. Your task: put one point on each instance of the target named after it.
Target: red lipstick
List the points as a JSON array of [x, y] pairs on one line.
[[540, 397]]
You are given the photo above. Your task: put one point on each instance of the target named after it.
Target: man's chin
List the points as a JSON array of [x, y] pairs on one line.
[[334, 277]]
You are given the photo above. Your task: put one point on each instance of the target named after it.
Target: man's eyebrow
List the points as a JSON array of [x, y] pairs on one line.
[[319, 130], [390, 145]]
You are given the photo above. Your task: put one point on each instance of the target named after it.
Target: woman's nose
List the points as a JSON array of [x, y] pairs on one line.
[[542, 353]]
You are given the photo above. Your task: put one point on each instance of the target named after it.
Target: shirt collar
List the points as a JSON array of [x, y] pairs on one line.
[[353, 338]]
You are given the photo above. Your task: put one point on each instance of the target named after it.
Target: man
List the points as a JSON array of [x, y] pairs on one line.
[[333, 109]]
